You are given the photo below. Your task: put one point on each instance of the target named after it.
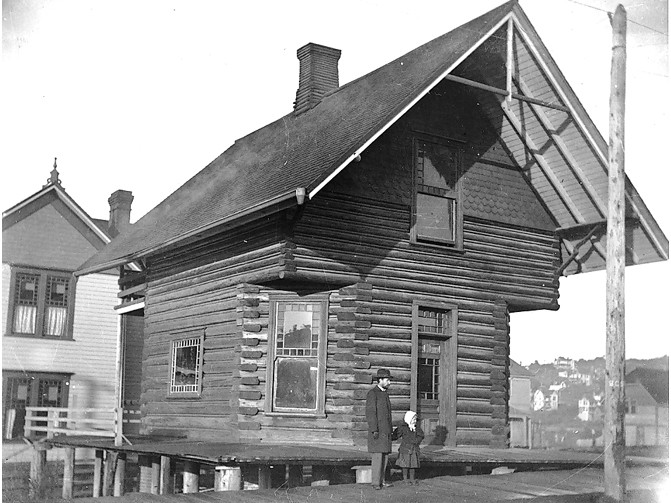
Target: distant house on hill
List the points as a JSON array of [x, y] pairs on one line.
[[60, 333], [647, 407], [520, 405], [402, 217]]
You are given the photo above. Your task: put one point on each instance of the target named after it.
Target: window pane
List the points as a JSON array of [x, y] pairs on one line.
[[296, 383], [185, 374], [427, 378], [25, 303], [435, 218], [433, 320], [437, 166]]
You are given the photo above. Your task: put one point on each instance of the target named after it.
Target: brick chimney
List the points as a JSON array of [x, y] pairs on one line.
[[318, 75], [120, 202]]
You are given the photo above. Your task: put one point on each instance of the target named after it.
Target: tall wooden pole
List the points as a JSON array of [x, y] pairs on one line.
[[614, 460]]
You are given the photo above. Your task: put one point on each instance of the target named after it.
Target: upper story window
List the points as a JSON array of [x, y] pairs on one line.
[[186, 364], [297, 357], [41, 304], [437, 215]]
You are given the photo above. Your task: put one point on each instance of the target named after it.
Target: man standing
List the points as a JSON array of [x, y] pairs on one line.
[[378, 415]]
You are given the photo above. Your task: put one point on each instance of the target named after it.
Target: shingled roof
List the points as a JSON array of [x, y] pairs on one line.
[[264, 169]]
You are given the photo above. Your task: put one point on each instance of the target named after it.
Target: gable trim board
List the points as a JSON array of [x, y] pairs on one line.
[[313, 166], [412, 103], [579, 114], [14, 215]]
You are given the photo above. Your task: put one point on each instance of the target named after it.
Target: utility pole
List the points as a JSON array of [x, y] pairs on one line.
[[614, 442]]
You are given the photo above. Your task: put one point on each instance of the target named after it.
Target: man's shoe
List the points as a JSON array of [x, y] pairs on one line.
[[387, 484]]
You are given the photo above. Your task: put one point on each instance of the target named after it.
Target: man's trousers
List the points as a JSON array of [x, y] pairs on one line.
[[378, 467]]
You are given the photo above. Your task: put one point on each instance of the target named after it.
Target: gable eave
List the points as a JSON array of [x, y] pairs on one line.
[[401, 110], [65, 199], [599, 146]]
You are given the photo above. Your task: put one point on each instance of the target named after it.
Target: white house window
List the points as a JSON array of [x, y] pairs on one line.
[[186, 366], [437, 217], [41, 304], [297, 352]]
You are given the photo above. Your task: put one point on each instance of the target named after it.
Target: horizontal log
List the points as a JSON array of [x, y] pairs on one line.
[[484, 393], [466, 406], [473, 353], [474, 366], [474, 421]]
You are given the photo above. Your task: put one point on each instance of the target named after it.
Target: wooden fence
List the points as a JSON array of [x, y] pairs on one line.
[[54, 421]]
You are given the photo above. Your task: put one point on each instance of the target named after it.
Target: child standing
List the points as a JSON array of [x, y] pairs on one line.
[[411, 436]]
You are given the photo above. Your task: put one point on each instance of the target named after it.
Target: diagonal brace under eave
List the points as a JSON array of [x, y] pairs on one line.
[[576, 249]]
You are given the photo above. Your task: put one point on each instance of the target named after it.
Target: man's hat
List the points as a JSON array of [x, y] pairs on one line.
[[382, 373]]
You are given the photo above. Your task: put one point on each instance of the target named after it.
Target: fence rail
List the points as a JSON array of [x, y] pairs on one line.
[[68, 421]]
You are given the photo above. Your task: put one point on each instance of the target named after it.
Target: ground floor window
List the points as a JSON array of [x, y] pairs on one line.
[[297, 356], [30, 389], [186, 366]]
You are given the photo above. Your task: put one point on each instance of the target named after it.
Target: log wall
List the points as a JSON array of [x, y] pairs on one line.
[[194, 290], [352, 241]]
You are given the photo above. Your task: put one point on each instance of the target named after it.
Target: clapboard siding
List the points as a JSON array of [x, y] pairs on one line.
[[90, 356], [6, 279]]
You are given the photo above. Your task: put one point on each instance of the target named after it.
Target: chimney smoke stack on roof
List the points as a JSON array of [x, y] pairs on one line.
[[120, 203], [318, 75]]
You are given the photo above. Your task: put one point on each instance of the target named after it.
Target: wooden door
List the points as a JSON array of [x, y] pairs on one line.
[[434, 372]]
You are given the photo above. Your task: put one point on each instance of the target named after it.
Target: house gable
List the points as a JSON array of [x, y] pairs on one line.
[[46, 231], [48, 239], [544, 129]]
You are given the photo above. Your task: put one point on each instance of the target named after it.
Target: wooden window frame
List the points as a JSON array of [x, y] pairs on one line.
[[448, 365], [41, 303], [458, 243], [275, 303], [199, 337]]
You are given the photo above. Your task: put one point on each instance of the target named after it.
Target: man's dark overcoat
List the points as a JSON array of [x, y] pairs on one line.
[[378, 415]]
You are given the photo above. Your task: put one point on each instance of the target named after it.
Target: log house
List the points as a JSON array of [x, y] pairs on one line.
[[395, 221]]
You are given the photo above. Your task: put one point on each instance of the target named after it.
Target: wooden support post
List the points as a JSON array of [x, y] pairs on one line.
[[155, 475], [68, 473], [294, 475], [98, 474], [144, 462], [614, 441], [166, 482], [191, 477], [227, 478], [120, 475], [38, 466], [265, 477], [108, 476]]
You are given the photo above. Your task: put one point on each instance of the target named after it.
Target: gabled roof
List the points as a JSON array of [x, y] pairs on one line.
[[53, 189], [655, 382], [517, 370], [262, 171]]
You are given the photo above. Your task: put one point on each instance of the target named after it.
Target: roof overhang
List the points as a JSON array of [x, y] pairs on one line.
[[274, 205]]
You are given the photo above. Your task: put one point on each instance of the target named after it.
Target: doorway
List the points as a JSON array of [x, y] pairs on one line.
[[433, 385]]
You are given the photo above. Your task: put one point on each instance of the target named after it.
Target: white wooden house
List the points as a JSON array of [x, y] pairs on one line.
[[60, 333]]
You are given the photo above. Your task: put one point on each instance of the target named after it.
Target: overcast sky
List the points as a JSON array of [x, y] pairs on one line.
[[141, 95]]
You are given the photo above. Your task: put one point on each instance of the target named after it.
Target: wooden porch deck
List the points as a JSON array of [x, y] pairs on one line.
[[218, 453], [645, 484]]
